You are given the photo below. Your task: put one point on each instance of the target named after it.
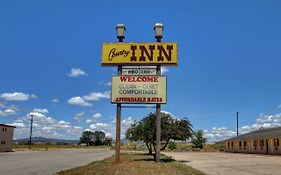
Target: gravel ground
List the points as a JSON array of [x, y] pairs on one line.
[[214, 163]]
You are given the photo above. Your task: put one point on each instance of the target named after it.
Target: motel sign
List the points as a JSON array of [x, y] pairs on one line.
[[139, 54]]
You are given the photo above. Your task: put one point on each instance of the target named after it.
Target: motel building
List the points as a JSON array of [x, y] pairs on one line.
[[263, 141], [6, 137]]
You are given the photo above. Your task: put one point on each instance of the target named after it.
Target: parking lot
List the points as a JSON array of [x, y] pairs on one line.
[[218, 163], [48, 162]]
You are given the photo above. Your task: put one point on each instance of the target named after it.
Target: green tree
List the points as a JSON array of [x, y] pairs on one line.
[[99, 138], [171, 128], [87, 137], [93, 138], [198, 139]]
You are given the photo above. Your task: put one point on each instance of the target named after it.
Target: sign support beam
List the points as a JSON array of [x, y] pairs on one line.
[[158, 118], [118, 117]]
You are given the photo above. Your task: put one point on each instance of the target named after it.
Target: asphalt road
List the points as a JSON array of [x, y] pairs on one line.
[[216, 163], [48, 162]]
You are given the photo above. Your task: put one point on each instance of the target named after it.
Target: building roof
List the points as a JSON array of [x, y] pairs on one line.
[[7, 125], [259, 134]]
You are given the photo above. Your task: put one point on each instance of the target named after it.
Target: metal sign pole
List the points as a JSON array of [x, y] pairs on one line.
[[158, 124], [158, 37], [30, 136], [120, 35], [118, 126]]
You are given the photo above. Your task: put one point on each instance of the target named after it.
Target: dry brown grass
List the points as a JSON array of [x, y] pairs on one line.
[[134, 164], [46, 147]]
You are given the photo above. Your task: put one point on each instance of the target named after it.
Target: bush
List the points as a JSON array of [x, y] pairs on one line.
[[172, 145]]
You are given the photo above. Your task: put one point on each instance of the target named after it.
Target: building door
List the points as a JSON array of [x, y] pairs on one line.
[[267, 145]]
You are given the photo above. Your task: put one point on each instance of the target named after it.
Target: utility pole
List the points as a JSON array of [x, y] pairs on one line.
[[30, 136], [158, 27], [120, 35], [237, 123]]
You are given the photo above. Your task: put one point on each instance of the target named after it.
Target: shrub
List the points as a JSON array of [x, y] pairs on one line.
[[172, 145]]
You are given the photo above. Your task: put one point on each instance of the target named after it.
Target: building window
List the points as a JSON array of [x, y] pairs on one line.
[[3, 142], [261, 142], [276, 142], [4, 129], [228, 144], [240, 144], [245, 144], [255, 143], [232, 144]]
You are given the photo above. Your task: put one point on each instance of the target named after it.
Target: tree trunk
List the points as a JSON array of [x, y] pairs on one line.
[[164, 147], [154, 146], [149, 148]]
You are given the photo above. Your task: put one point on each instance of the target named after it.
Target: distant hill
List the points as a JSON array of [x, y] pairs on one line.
[[46, 140]]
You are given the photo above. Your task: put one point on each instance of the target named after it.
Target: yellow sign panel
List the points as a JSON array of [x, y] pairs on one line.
[[139, 89], [139, 54]]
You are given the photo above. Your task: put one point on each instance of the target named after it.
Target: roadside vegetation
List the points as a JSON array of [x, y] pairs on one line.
[[172, 128], [96, 138], [198, 140], [134, 164], [175, 147], [49, 146], [176, 135]]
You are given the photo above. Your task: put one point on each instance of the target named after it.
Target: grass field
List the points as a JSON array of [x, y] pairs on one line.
[[134, 164], [46, 147], [180, 147]]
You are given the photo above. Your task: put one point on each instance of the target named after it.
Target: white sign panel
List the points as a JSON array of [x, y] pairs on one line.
[[140, 71], [139, 89]]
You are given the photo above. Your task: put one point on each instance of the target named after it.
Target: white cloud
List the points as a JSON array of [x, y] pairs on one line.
[[89, 120], [45, 126], [7, 112], [263, 121], [83, 101], [126, 123], [94, 118], [95, 96], [55, 100], [17, 96], [218, 134], [97, 115], [109, 128], [62, 122], [18, 124], [76, 72], [164, 70], [279, 106], [108, 84], [78, 116], [79, 102], [43, 111], [98, 126], [108, 135], [169, 113]]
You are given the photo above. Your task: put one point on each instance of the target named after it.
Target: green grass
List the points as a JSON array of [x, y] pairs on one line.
[[133, 164]]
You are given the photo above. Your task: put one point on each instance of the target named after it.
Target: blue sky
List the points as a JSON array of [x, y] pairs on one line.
[[228, 52]]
